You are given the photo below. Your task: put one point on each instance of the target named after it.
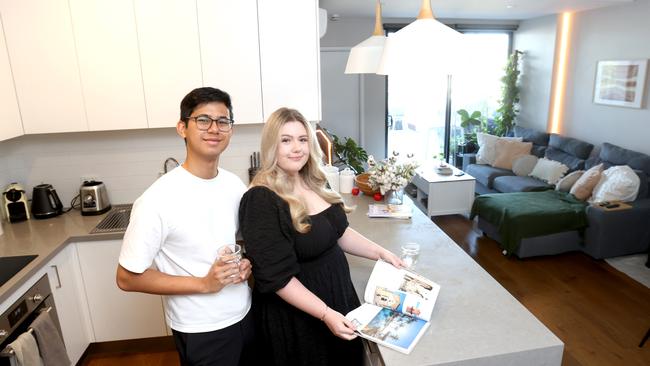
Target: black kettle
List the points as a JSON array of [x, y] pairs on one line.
[[45, 202]]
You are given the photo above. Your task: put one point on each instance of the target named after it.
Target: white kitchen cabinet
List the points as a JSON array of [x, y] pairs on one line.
[[289, 53], [67, 288], [230, 54], [44, 64], [11, 125], [168, 36], [116, 314], [109, 63]]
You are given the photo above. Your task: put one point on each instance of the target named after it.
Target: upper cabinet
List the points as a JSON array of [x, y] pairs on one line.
[[230, 54], [11, 125], [109, 63], [289, 51], [171, 60], [88, 65], [43, 61]]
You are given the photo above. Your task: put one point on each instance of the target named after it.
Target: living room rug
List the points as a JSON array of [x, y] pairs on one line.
[[633, 266]]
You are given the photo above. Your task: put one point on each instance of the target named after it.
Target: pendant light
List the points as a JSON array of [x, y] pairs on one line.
[[364, 57], [426, 45]]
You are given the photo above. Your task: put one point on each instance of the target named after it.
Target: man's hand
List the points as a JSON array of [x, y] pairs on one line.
[[221, 274]]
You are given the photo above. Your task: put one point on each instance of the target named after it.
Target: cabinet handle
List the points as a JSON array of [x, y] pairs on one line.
[[58, 278]]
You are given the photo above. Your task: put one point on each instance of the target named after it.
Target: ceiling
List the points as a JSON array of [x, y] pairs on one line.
[[463, 9]]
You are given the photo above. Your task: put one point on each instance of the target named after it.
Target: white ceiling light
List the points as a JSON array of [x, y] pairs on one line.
[[364, 57], [422, 46]]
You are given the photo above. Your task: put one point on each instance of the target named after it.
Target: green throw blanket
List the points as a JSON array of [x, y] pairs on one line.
[[528, 214]]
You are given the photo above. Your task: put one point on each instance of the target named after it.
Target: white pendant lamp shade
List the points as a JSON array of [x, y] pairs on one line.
[[364, 57], [426, 45]]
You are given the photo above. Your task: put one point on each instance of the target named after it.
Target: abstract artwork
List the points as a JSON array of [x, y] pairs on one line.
[[620, 83]]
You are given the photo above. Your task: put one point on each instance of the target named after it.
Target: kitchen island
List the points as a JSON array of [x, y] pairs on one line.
[[475, 320]]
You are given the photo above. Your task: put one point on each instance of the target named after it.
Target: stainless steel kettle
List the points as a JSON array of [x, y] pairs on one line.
[[94, 198], [45, 202]]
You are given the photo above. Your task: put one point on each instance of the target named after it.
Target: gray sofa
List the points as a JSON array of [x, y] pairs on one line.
[[610, 233]]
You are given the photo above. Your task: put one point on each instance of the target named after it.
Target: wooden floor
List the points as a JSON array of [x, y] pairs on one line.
[[599, 313]]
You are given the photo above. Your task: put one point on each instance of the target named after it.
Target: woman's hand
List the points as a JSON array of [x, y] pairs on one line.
[[244, 270], [339, 325], [390, 257]]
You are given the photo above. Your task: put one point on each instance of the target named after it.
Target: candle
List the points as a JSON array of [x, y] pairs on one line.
[[346, 180], [332, 175]]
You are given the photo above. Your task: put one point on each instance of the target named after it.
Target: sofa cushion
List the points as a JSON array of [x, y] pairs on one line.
[[523, 165], [508, 151], [584, 186], [618, 183], [569, 145], [538, 150], [616, 155], [510, 184], [644, 184], [565, 184], [487, 147], [485, 174], [565, 158], [532, 135], [549, 171]]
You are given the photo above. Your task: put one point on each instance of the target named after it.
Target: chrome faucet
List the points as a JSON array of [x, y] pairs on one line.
[[166, 164]]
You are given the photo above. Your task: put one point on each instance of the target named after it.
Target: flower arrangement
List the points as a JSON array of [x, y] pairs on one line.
[[389, 174]]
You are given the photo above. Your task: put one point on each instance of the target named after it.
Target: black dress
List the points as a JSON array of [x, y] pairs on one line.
[[285, 334]]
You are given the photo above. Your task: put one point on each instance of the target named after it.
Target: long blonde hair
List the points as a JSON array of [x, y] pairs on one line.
[[273, 177]]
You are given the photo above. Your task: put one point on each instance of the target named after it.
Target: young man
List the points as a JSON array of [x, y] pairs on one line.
[[178, 224]]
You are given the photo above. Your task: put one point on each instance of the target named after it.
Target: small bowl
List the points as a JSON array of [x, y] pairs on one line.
[[361, 181]]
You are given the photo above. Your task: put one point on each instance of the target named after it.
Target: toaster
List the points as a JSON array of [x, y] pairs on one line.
[[94, 198]]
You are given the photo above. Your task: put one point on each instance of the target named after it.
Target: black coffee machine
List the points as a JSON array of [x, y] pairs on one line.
[[14, 203], [45, 202]]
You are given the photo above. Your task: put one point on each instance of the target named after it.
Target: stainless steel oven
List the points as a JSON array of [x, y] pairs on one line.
[[22, 313]]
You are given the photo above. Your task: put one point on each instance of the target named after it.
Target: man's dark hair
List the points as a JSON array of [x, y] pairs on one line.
[[204, 95]]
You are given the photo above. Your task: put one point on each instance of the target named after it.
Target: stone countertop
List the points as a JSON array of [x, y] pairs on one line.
[[475, 320], [45, 238]]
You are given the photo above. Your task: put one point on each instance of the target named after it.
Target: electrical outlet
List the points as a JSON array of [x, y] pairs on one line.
[[88, 178]]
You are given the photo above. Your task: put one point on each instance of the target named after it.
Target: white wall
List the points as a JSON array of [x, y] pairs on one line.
[[126, 161], [613, 33], [536, 38]]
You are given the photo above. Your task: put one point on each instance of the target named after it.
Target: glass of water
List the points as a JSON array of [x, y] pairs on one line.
[[410, 254]]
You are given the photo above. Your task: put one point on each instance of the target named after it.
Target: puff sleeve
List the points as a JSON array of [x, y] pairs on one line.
[[265, 224]]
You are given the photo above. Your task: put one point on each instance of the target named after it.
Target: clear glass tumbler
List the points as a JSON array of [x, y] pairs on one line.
[[410, 254]]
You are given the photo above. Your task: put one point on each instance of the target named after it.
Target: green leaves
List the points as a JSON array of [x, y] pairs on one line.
[[505, 116], [467, 120], [350, 153]]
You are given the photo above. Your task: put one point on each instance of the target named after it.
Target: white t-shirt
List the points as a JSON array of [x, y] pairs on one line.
[[178, 224]]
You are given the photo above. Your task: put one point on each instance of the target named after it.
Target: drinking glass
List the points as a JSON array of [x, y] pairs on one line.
[[230, 253], [410, 254]]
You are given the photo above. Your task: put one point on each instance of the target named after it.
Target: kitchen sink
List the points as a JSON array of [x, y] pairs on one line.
[[116, 220], [9, 266]]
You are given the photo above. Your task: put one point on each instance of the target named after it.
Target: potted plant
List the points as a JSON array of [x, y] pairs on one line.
[[469, 122], [505, 116], [350, 153]]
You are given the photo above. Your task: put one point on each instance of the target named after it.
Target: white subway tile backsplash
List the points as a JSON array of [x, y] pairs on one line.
[[126, 161]]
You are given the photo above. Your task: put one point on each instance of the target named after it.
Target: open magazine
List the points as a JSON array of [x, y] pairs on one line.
[[397, 309]]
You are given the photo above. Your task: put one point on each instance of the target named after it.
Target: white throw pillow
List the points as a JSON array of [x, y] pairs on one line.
[[549, 171], [523, 165], [565, 184], [618, 183], [487, 152]]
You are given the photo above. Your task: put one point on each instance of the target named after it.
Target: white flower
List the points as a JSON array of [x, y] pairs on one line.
[[388, 174]]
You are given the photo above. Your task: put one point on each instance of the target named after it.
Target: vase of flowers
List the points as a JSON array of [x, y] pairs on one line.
[[390, 176]]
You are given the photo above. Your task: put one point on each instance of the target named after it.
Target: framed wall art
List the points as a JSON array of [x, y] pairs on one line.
[[620, 83]]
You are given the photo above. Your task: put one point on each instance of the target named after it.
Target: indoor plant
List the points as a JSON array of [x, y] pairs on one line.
[[505, 115], [350, 153], [469, 122]]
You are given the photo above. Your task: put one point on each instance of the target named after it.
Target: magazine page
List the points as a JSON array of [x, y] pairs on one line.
[[387, 327], [390, 211], [401, 290]]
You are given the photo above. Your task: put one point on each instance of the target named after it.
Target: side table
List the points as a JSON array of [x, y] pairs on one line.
[[443, 194]]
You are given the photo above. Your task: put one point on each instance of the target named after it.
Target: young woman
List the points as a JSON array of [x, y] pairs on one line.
[[296, 233]]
